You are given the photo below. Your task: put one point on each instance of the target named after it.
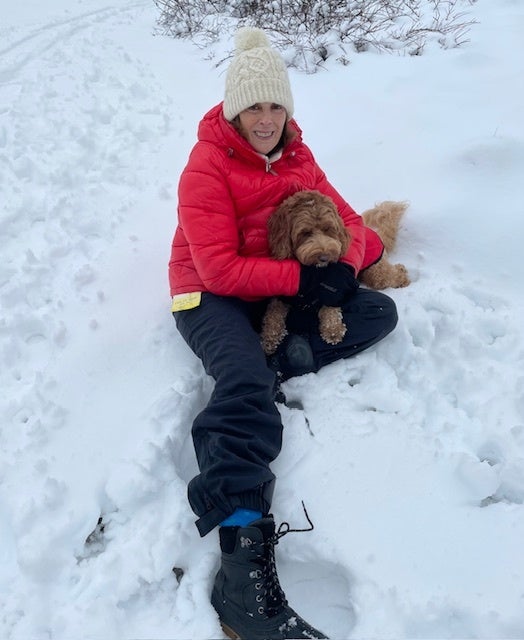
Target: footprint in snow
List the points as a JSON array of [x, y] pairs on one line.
[[320, 592]]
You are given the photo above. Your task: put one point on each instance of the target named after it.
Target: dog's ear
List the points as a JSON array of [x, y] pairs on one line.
[[329, 210], [343, 234], [345, 240], [279, 233]]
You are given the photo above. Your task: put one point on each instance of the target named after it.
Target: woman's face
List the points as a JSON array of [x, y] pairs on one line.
[[262, 124]]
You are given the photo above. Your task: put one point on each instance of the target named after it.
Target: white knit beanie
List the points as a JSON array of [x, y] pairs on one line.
[[257, 74]]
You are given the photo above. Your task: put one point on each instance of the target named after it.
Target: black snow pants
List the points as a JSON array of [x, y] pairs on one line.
[[239, 433]]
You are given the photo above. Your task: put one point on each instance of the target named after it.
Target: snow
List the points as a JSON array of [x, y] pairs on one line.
[[409, 457]]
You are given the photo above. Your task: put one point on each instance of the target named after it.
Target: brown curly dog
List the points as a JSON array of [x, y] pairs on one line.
[[308, 227]]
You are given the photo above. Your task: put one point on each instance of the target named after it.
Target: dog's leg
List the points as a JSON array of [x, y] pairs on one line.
[[383, 274], [331, 324], [385, 219], [274, 326]]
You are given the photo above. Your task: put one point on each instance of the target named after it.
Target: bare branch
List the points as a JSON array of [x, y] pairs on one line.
[[309, 32]]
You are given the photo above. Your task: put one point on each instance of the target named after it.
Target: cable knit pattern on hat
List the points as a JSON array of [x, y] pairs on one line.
[[257, 74]]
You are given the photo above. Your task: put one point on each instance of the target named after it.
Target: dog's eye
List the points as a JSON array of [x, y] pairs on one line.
[[303, 235]]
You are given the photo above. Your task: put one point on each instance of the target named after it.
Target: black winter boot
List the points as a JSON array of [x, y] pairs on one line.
[[247, 594], [294, 357]]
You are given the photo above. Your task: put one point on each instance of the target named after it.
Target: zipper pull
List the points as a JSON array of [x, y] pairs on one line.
[[269, 168]]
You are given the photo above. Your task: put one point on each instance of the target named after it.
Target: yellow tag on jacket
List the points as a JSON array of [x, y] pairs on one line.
[[185, 301]]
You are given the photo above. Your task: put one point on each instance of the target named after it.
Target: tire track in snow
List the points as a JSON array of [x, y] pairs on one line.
[[67, 130], [61, 30]]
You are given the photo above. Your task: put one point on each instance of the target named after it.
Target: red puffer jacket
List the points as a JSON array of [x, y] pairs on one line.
[[226, 193]]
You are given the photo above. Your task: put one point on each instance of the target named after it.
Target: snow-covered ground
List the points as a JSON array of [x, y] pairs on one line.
[[409, 457]]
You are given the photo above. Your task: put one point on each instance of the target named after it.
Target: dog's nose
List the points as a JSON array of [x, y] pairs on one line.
[[323, 259]]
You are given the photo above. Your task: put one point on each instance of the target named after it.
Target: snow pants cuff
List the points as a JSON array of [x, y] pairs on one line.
[[258, 499]]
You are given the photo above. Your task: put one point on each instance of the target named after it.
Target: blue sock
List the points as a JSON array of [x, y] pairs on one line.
[[241, 518]]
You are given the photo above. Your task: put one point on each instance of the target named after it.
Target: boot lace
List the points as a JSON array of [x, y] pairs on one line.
[[269, 586]]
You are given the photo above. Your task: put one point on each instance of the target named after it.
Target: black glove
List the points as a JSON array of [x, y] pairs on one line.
[[309, 284], [338, 284], [328, 286]]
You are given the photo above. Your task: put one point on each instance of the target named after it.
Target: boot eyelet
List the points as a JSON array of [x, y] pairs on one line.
[[261, 610], [258, 586], [259, 598]]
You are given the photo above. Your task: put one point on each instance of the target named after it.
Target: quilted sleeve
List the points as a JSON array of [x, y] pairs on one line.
[[207, 214]]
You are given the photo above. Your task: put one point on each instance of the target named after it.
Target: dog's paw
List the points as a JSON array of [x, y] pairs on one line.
[[401, 277], [384, 275], [331, 325], [273, 326], [270, 343], [333, 337]]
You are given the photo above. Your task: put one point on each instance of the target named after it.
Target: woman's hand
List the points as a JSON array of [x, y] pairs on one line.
[[328, 286]]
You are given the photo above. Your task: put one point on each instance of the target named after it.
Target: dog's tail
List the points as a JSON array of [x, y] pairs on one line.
[[385, 218]]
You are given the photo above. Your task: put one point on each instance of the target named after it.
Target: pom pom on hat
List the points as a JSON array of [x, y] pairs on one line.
[[250, 38], [257, 74]]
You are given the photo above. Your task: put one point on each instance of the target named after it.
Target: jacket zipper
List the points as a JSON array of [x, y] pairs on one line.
[[269, 168]]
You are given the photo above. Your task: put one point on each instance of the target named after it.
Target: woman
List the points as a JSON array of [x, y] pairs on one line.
[[250, 157]]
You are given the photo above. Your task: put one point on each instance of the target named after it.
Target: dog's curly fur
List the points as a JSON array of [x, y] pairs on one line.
[[385, 219], [308, 227]]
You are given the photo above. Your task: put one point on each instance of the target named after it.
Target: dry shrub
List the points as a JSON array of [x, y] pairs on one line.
[[311, 31]]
